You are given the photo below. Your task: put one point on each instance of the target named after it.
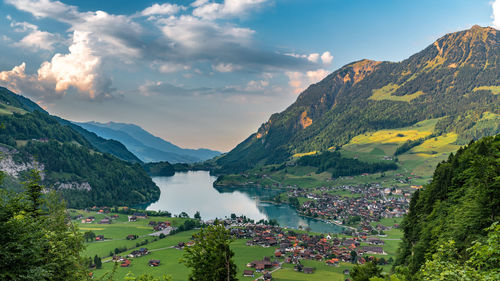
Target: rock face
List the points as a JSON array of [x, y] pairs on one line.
[[13, 168], [453, 77], [84, 186]]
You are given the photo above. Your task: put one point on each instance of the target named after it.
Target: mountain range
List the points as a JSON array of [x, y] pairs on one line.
[[147, 147], [455, 80]]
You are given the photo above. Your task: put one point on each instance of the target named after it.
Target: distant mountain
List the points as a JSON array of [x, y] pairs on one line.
[[146, 146], [456, 79], [78, 164]]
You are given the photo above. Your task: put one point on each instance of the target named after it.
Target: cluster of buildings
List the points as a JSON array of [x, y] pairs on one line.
[[368, 203]]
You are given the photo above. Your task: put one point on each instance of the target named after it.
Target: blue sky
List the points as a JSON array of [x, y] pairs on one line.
[[205, 73]]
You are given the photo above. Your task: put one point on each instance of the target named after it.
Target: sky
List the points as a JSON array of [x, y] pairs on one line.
[[205, 73]]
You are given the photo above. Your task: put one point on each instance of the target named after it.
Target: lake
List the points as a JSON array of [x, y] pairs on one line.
[[193, 191]]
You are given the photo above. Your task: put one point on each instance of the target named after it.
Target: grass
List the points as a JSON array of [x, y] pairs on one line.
[[385, 93], [170, 257], [298, 155], [8, 109], [495, 90]]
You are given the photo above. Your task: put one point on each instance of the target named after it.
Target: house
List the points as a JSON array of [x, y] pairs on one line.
[[99, 238], [346, 272], [105, 221], [373, 250], [132, 218], [140, 215], [114, 217], [139, 253], [154, 263], [125, 263], [132, 237], [267, 277], [308, 270], [375, 241], [248, 273]]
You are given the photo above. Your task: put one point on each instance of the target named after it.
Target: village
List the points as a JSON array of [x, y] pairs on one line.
[[365, 204]]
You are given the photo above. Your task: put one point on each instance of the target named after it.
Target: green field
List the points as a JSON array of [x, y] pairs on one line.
[[163, 250]]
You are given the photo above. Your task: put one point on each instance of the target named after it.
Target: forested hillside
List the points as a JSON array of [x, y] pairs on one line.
[[456, 79], [71, 163], [462, 200]]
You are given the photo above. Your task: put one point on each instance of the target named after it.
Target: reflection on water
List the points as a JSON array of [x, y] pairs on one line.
[[193, 191]]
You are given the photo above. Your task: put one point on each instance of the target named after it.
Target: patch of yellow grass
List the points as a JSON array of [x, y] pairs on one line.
[[436, 144], [298, 155], [390, 136], [493, 89], [385, 93], [90, 228], [143, 227]]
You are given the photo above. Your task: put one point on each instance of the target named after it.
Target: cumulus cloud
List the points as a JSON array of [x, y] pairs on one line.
[[299, 81], [176, 39], [225, 67], [229, 8], [163, 9], [496, 13], [36, 39], [326, 58], [79, 69]]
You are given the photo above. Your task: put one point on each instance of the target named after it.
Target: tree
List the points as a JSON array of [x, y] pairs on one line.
[[89, 236], [197, 215], [483, 262], [210, 258], [97, 262], [38, 242], [354, 256], [366, 271]]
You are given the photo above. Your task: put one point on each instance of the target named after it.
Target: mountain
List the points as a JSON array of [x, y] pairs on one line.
[[462, 200], [73, 161], [146, 146], [11, 102], [455, 79]]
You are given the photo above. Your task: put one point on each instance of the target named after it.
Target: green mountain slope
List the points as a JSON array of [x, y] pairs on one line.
[[455, 79], [461, 201], [71, 164], [11, 102]]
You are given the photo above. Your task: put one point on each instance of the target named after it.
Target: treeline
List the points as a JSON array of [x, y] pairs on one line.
[[339, 166], [113, 182], [462, 200], [69, 158], [165, 169], [409, 144]]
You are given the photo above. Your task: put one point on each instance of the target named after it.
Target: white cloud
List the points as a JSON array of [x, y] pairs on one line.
[[313, 57], [300, 81], [227, 9], [163, 9], [198, 3], [79, 69], [18, 81], [38, 40], [225, 67], [496, 13], [326, 58], [168, 67]]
